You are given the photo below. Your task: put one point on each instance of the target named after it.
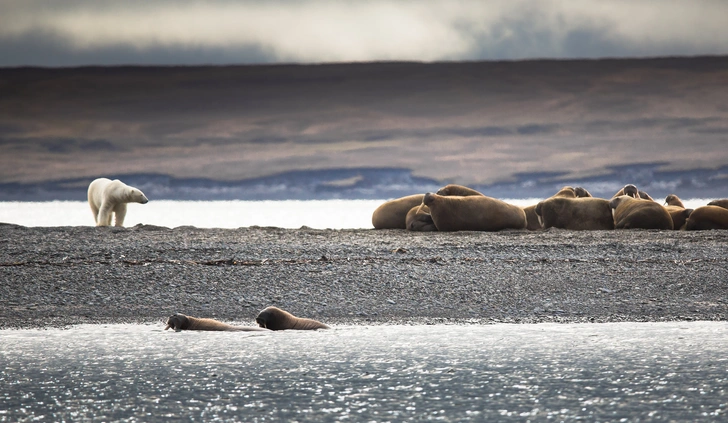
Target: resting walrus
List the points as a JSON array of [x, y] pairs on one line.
[[532, 220], [636, 213], [419, 220], [180, 322], [578, 214], [473, 213], [677, 211], [706, 218], [274, 318], [392, 214]]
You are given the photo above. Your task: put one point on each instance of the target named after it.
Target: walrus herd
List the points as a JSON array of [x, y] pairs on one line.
[[459, 208], [271, 318]]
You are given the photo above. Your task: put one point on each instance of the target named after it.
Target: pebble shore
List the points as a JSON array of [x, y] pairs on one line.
[[62, 276]]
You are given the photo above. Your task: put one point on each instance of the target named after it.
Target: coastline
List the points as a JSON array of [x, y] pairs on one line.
[[63, 276]]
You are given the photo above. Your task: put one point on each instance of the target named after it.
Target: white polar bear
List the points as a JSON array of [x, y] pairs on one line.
[[106, 197]]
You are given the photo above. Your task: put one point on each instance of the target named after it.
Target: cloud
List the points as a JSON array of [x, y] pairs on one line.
[[195, 32]]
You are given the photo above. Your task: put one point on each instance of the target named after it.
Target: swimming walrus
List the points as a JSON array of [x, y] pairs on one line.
[[274, 318], [180, 322], [706, 218], [720, 203], [636, 213], [533, 223], [392, 214], [579, 214], [459, 190], [677, 210], [473, 213], [419, 219]]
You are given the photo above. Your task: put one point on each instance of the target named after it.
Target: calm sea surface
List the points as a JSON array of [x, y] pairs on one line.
[[323, 214], [540, 372]]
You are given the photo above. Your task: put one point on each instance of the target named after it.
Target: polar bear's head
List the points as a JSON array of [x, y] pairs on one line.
[[137, 196]]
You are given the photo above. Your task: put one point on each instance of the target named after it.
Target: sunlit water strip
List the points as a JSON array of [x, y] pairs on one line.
[[317, 214], [546, 372]]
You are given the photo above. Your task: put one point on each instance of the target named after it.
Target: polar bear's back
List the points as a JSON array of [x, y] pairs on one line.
[[96, 191]]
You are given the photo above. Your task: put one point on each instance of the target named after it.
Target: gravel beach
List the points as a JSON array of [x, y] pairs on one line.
[[61, 276]]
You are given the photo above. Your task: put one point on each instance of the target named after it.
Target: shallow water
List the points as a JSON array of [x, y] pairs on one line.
[[318, 214], [633, 371]]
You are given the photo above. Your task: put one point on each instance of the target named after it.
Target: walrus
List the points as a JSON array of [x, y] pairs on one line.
[[533, 223], [473, 213], [707, 217], [459, 190], [274, 318], [392, 214], [632, 191], [677, 211], [419, 219], [180, 322], [579, 214], [636, 213], [720, 203]]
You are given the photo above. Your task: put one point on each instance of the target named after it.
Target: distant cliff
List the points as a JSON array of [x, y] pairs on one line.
[[381, 183]]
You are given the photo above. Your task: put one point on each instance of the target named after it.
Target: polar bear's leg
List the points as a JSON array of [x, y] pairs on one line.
[[107, 208], [120, 214], [94, 210]]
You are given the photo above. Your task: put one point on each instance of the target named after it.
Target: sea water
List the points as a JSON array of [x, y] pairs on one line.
[[317, 214], [544, 372]]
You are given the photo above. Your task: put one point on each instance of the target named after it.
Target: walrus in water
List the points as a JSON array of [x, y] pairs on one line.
[[677, 211], [579, 214], [180, 322], [459, 190], [532, 220], [419, 219], [473, 213], [720, 203], [392, 214], [707, 217], [274, 318], [636, 213]]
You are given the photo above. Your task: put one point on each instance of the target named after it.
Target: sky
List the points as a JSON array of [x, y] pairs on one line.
[[192, 32]]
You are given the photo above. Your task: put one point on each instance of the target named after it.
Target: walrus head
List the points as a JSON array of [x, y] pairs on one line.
[[178, 322], [581, 192], [673, 200], [631, 191], [428, 199]]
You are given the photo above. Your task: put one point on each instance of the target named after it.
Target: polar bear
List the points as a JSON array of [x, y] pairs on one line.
[[106, 197]]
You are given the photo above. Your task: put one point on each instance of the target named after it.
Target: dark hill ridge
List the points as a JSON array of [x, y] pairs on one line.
[[474, 123], [372, 183]]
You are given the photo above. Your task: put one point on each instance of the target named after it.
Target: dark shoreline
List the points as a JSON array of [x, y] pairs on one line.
[[61, 276]]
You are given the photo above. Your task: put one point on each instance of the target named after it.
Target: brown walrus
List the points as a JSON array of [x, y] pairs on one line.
[[707, 217], [579, 214], [677, 210], [419, 219], [180, 322], [720, 203], [636, 213], [274, 318], [392, 214], [459, 190], [473, 213], [533, 223]]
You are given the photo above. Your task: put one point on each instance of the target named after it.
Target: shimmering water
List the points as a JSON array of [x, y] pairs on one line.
[[320, 214], [545, 372]]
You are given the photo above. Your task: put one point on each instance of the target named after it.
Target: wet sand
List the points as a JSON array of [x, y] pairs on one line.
[[61, 276]]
